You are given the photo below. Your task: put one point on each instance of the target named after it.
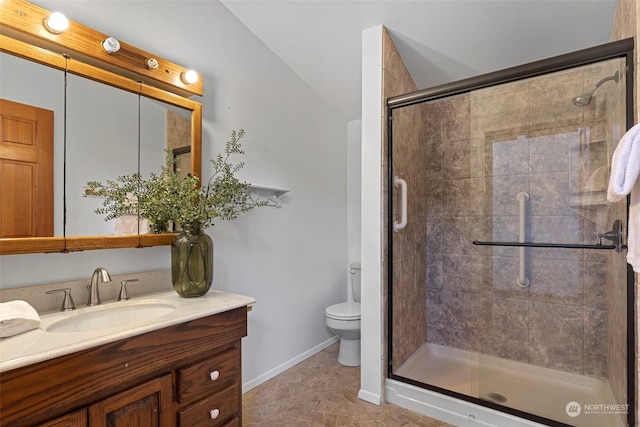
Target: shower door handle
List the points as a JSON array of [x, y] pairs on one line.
[[398, 182]]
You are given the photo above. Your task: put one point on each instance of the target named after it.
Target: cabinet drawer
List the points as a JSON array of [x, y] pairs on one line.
[[212, 411], [233, 423], [209, 376]]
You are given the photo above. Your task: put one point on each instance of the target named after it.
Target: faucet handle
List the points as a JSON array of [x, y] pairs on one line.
[[67, 301], [124, 295]]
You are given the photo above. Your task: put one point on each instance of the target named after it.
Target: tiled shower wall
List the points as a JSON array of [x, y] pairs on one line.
[[627, 24], [409, 272], [493, 144], [177, 131]]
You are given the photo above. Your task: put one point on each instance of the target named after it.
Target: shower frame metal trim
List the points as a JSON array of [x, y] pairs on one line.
[[591, 55], [617, 49]]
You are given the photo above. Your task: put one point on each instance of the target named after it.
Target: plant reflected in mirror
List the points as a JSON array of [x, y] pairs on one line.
[[167, 197]]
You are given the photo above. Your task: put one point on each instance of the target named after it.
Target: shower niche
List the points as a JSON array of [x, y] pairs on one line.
[[593, 174], [495, 297]]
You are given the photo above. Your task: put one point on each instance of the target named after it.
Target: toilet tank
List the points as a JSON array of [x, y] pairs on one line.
[[354, 269]]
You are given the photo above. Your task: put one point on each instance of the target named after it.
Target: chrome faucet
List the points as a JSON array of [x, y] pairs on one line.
[[94, 292]]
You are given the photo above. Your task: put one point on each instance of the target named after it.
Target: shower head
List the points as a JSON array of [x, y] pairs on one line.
[[584, 99]]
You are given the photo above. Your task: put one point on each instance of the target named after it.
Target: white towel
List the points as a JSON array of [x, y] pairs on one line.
[[625, 170], [17, 317]]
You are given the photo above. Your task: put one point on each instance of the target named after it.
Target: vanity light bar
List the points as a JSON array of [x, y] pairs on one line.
[[24, 21]]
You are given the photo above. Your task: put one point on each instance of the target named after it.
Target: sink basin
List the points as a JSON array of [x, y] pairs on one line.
[[112, 316]]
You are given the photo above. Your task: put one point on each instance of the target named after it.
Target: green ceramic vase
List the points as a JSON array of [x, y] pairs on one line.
[[192, 262]]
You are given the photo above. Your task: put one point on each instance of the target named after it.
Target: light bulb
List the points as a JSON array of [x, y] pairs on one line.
[[189, 77], [111, 45], [56, 23]]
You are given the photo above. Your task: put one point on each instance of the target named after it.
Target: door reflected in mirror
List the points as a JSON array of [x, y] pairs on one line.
[[31, 172], [26, 170]]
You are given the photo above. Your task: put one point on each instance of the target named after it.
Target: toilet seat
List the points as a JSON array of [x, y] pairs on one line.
[[344, 311]]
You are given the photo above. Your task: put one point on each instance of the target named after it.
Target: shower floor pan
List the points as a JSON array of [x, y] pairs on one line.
[[541, 391]]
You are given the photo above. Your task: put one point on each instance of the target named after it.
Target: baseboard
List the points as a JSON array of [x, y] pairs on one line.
[[367, 396], [251, 384]]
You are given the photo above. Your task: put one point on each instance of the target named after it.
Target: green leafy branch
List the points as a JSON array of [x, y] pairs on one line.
[[168, 197]]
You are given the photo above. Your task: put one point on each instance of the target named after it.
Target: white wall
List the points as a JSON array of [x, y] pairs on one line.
[[354, 205], [293, 260], [371, 322]]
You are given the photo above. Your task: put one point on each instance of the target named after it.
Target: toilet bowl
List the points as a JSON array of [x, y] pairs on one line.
[[344, 320]]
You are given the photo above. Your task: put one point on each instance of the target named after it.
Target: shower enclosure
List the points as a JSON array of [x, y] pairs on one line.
[[508, 283]]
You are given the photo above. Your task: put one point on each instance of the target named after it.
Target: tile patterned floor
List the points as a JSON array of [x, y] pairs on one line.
[[321, 392]]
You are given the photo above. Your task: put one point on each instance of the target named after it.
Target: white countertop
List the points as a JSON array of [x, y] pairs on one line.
[[39, 345]]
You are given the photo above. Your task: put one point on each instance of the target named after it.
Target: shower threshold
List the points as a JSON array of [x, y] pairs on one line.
[[544, 392]]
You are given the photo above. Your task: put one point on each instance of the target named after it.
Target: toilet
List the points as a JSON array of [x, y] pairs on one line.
[[344, 320]]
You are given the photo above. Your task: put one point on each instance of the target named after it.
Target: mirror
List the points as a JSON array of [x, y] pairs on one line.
[[102, 144], [101, 139]]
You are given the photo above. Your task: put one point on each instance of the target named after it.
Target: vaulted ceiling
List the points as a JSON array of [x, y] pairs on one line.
[[440, 40]]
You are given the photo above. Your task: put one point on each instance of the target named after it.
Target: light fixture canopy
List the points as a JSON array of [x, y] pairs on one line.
[[152, 64], [189, 77], [111, 45], [56, 23]]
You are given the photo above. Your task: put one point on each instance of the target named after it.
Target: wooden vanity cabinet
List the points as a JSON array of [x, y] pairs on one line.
[[74, 419], [148, 404], [187, 375]]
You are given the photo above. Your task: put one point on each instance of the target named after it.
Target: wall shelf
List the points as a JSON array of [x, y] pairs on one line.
[[583, 199], [263, 193]]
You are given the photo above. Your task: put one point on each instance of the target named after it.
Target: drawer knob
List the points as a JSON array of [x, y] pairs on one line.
[[214, 414], [214, 375]]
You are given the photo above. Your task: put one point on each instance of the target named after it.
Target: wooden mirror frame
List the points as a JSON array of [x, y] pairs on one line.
[[29, 40]]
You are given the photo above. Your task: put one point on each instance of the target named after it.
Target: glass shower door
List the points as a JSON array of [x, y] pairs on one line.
[[509, 282]]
